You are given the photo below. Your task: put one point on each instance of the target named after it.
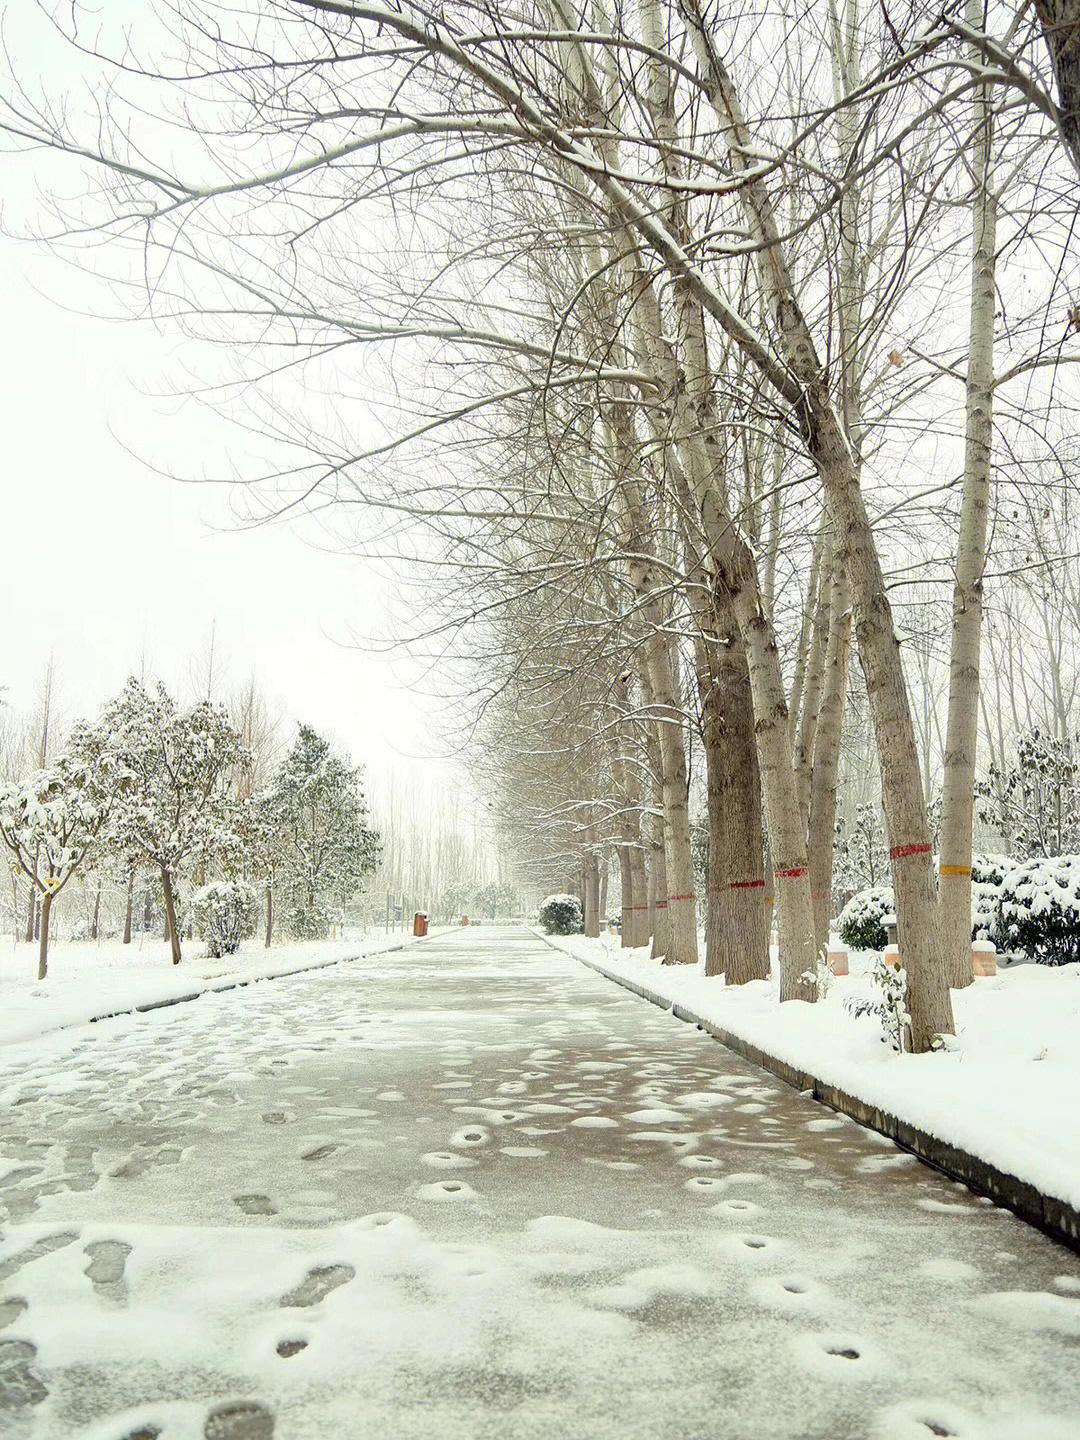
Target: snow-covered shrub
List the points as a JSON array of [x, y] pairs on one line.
[[984, 903], [990, 869], [889, 1004], [307, 919], [987, 873], [861, 922], [225, 913], [1038, 910], [561, 915]]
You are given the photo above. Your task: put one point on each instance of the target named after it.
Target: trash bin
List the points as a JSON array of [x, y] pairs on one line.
[[419, 923]]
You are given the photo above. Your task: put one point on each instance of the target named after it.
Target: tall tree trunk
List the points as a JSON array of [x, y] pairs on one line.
[[787, 832], [806, 722], [658, 674], [712, 746], [825, 773], [962, 731], [650, 897], [639, 889], [802, 650], [701, 487], [602, 900], [592, 896], [915, 883], [626, 927], [662, 932], [97, 913], [128, 906], [269, 914], [173, 935], [43, 927], [655, 826], [678, 852], [802, 379], [1060, 21], [742, 941]]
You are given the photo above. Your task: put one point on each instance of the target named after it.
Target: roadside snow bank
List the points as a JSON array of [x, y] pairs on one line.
[[90, 979], [1006, 1094]]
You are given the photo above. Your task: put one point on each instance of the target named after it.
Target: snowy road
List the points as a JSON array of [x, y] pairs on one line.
[[475, 1190]]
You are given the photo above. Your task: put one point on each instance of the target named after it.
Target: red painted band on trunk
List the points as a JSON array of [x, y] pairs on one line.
[[796, 874], [745, 885], [904, 852], [673, 898]]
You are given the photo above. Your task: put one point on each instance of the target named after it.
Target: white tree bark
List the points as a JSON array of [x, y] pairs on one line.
[[961, 739]]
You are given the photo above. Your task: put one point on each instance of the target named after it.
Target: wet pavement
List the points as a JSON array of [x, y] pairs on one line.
[[473, 1189]]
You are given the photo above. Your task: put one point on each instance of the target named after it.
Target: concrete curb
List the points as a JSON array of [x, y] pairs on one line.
[[1056, 1218]]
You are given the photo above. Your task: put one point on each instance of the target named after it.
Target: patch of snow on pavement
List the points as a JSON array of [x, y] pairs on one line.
[[998, 1095]]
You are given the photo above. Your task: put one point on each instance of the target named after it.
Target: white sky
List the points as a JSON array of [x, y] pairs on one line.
[[110, 565]]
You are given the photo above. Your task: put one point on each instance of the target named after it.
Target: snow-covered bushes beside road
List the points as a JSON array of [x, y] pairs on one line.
[[861, 922], [1038, 910], [226, 912], [562, 915]]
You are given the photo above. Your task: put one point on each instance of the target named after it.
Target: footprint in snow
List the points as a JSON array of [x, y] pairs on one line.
[[788, 1292], [239, 1420], [254, 1204], [41, 1247], [837, 1356], [922, 1419], [447, 1190], [317, 1284], [11, 1307], [20, 1384], [106, 1269], [736, 1207], [472, 1135]]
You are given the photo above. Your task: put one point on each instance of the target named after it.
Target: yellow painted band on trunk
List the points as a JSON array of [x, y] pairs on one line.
[[954, 869]]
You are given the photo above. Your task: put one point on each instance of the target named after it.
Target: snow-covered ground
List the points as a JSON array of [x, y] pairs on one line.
[[475, 1190], [1005, 1094], [88, 979]]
